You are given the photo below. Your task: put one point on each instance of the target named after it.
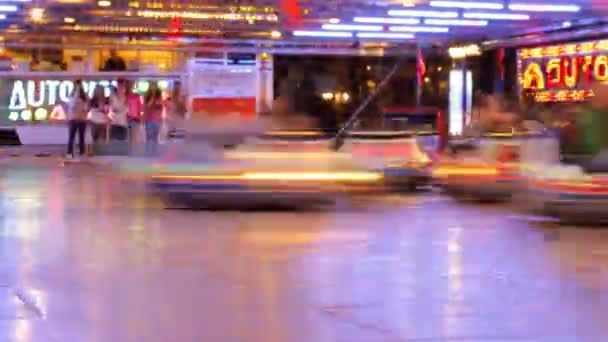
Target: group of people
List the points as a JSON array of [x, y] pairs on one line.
[[121, 114]]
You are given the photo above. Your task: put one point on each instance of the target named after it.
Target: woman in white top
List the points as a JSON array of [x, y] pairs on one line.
[[119, 108], [98, 115]]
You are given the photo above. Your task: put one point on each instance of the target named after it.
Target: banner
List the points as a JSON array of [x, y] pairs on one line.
[[563, 73]]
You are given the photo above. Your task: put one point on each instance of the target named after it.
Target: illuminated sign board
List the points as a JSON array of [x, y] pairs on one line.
[[41, 100], [563, 73]]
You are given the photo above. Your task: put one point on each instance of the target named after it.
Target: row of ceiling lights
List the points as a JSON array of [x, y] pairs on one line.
[[437, 21]]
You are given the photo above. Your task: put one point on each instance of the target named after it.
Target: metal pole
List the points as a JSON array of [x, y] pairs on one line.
[[419, 79], [338, 139], [463, 66]]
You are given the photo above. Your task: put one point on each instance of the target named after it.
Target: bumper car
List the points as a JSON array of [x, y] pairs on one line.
[[398, 156], [488, 173], [203, 176], [569, 194], [478, 180]]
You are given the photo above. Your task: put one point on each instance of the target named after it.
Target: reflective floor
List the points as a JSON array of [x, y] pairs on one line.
[[85, 257]]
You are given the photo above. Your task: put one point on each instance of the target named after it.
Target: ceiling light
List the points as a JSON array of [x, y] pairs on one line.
[[275, 34], [8, 8], [334, 20], [463, 4], [104, 3], [455, 22], [2, 16], [459, 52], [385, 35], [37, 14], [497, 16], [544, 8], [14, 0], [340, 27], [418, 29], [322, 34], [372, 20], [69, 20], [429, 14], [566, 24]]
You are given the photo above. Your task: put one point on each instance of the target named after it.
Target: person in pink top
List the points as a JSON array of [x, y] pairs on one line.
[[134, 104], [153, 116]]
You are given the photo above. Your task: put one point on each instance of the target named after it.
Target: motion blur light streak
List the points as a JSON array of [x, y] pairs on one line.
[[419, 29], [385, 35], [496, 16], [466, 4], [341, 27], [373, 20], [465, 171], [350, 176], [456, 22], [283, 155], [544, 8], [284, 176], [322, 34], [8, 8], [428, 14]]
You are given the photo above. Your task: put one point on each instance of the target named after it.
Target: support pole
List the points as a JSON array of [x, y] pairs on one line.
[[339, 138]]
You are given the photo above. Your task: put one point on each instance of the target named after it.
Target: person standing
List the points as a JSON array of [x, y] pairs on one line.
[[99, 116], [176, 108], [153, 114], [115, 62], [77, 119], [119, 109], [134, 113]]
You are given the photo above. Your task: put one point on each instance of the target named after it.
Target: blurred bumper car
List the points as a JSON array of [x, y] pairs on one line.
[[569, 194], [478, 181], [397, 155], [248, 178], [489, 173]]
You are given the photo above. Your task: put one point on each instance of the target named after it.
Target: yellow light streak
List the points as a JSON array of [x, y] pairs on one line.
[[284, 176], [461, 171], [319, 176]]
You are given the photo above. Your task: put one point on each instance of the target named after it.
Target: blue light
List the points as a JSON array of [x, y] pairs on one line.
[[428, 14], [468, 5], [341, 27], [544, 8], [385, 35], [419, 29], [456, 22], [374, 20], [496, 16], [8, 8], [322, 34]]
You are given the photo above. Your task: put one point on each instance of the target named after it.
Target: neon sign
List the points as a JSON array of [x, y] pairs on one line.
[[41, 100], [563, 72]]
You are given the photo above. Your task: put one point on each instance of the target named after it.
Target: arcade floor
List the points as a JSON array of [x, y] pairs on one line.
[[86, 257]]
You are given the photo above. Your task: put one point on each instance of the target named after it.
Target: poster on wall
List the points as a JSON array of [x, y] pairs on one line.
[[223, 91], [28, 100], [562, 73]]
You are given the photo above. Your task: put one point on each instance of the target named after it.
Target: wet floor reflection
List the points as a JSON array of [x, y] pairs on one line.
[[86, 257]]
